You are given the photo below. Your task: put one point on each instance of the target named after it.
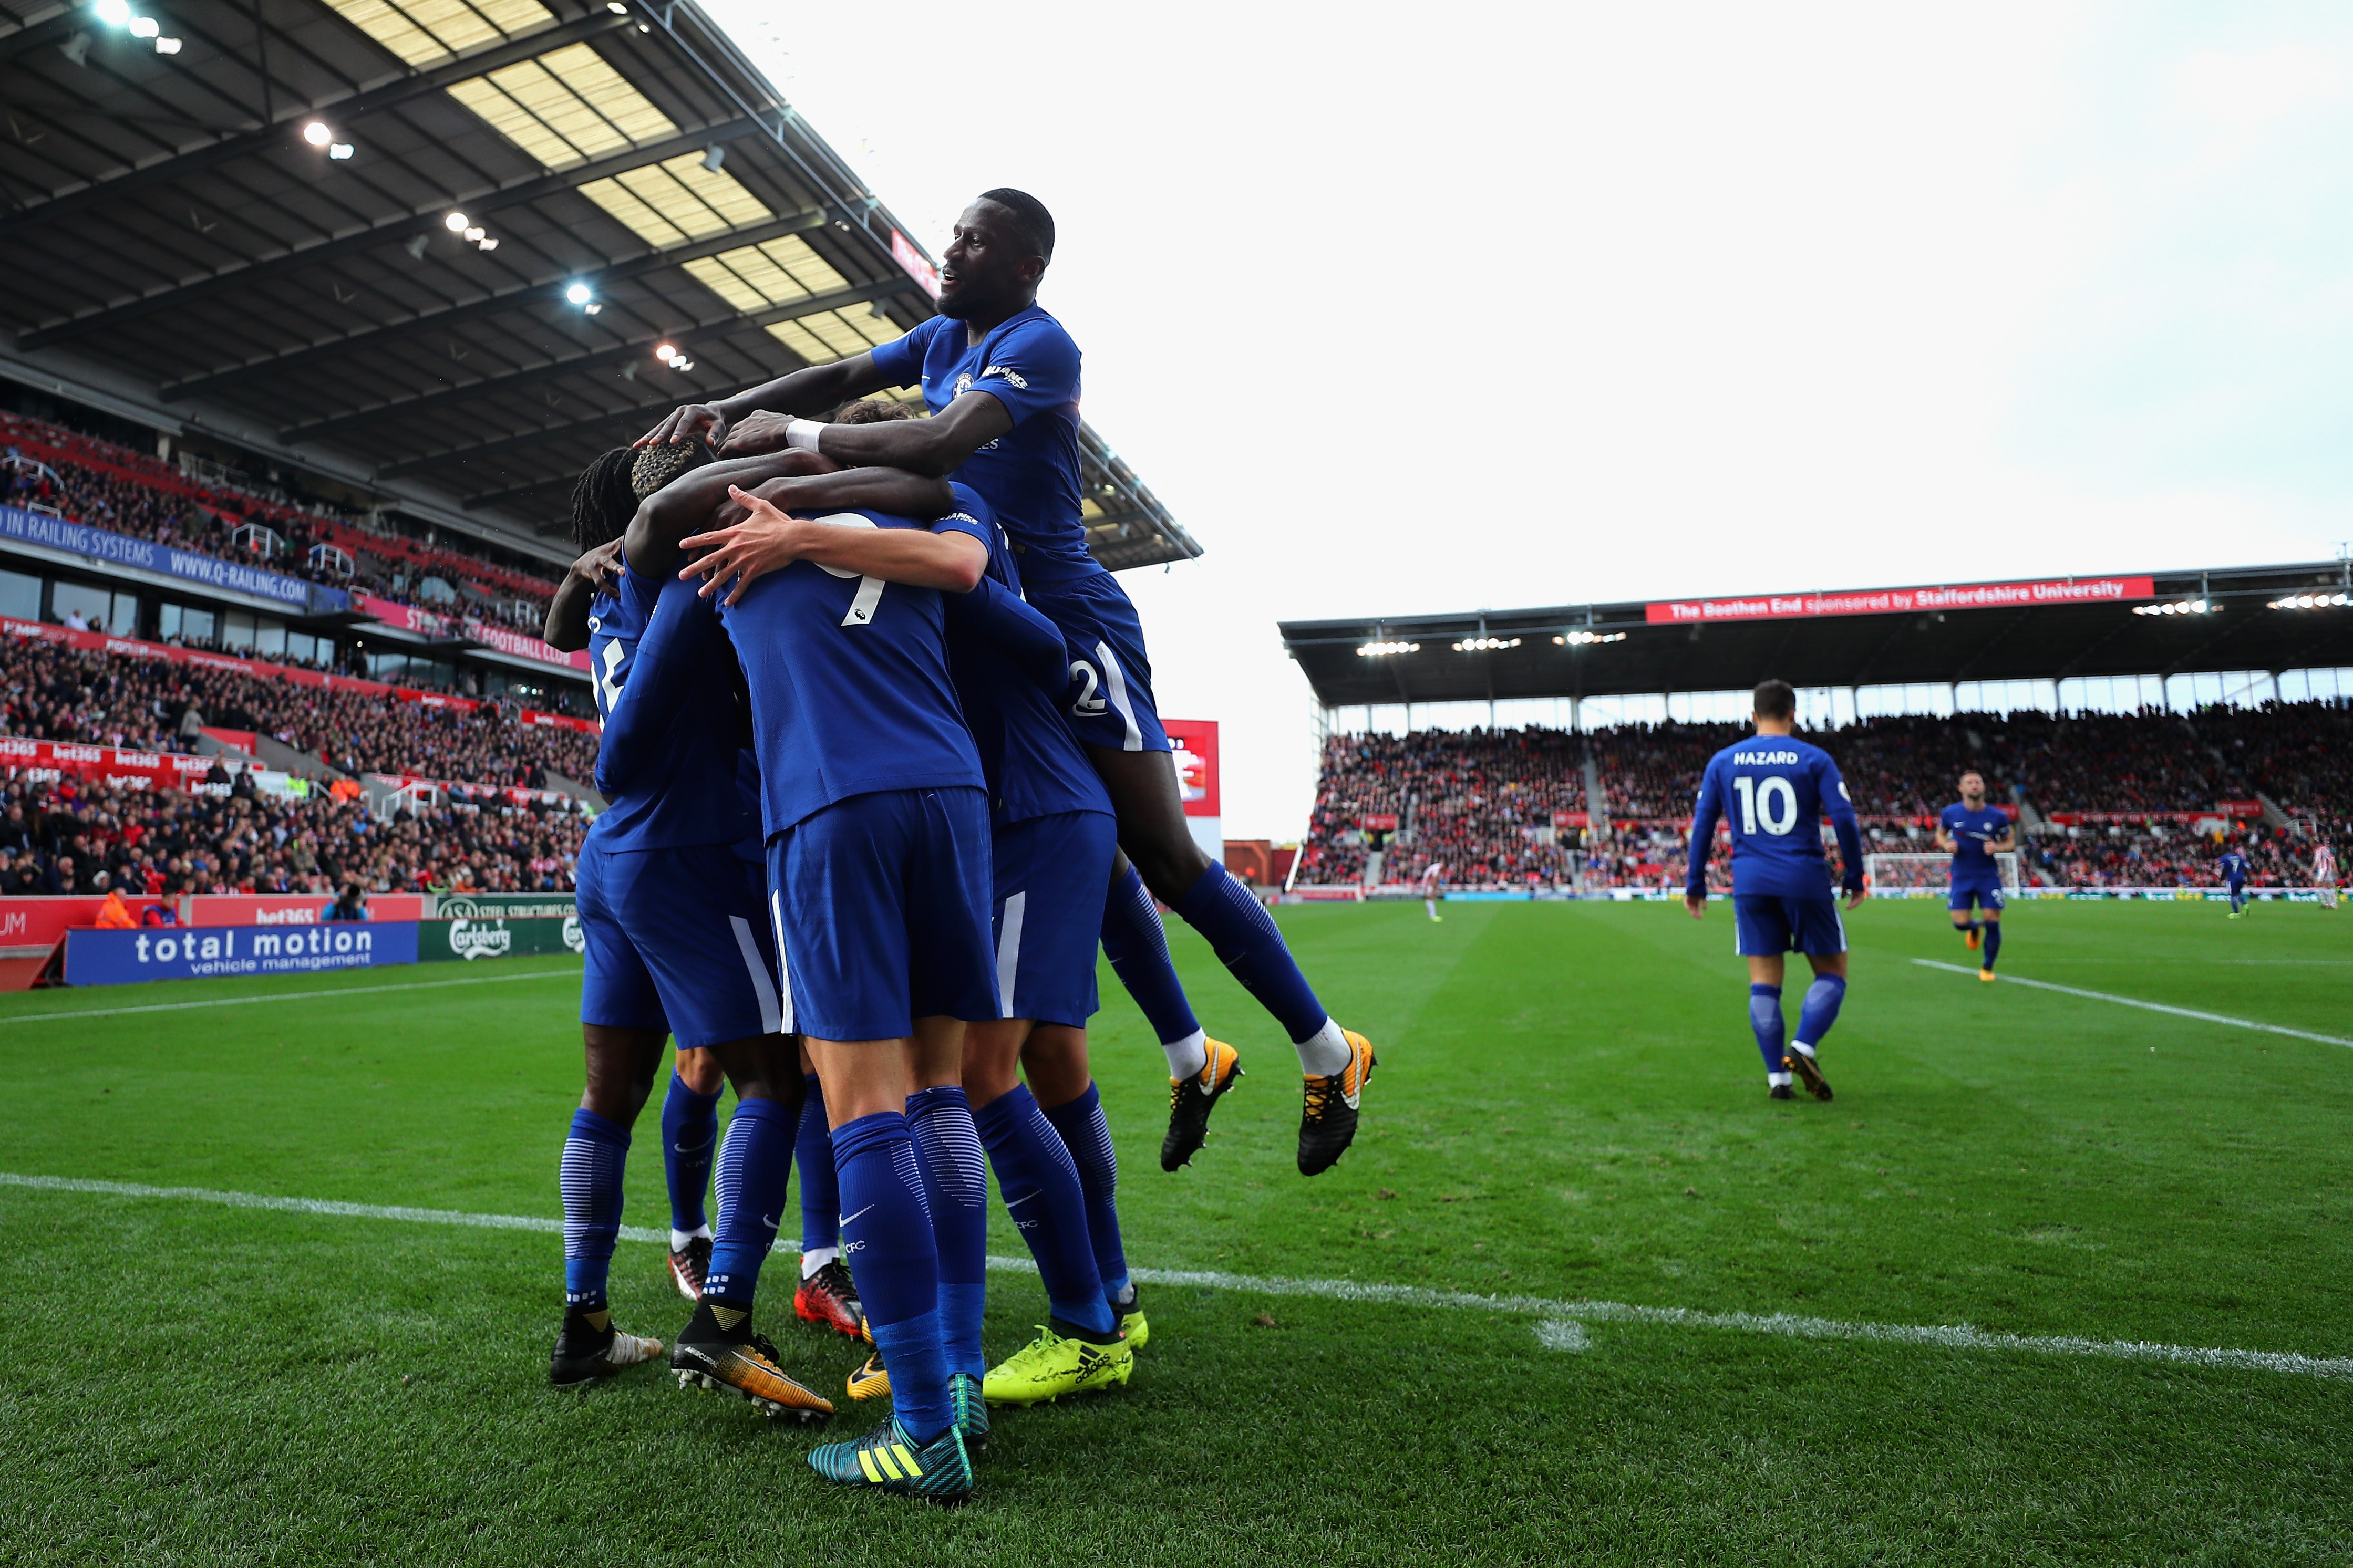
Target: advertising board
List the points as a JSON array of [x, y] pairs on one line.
[[294, 909], [127, 957], [1193, 747], [447, 941]]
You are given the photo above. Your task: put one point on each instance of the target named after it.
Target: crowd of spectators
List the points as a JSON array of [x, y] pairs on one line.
[[129, 494], [1483, 801], [64, 835], [53, 693]]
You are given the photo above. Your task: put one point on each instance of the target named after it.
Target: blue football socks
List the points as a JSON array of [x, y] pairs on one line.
[[690, 1124], [595, 1154], [885, 1228], [1820, 1010], [1992, 944], [1248, 942], [1088, 1138], [755, 1167], [1137, 946], [955, 1188], [820, 1194], [1042, 1197], [1765, 1018]]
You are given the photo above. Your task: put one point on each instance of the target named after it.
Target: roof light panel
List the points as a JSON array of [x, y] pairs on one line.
[[835, 334], [670, 203], [428, 32], [775, 272], [565, 108]]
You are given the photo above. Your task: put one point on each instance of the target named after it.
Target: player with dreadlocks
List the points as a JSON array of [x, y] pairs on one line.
[[671, 908]]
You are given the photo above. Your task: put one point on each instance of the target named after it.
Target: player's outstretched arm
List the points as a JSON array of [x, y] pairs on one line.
[[1840, 806], [567, 614], [1035, 643], [936, 445], [687, 503], [769, 538], [815, 390]]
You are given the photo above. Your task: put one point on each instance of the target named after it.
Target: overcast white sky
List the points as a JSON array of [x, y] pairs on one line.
[[1436, 308]]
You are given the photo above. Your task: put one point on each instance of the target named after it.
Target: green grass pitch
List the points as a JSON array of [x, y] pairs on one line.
[[1569, 1106]]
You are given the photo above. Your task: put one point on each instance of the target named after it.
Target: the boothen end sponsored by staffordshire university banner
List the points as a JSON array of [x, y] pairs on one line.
[[1902, 601]]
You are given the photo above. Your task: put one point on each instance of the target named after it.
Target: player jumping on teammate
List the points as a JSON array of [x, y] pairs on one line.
[[1001, 378], [1775, 790], [1973, 833]]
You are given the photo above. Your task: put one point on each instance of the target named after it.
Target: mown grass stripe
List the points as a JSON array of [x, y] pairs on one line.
[[2149, 1006], [1557, 1318], [285, 996]]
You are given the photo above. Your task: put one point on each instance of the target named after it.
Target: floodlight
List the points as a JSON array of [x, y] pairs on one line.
[[167, 46], [114, 13], [455, 223], [615, 7], [317, 134], [486, 243], [681, 362], [144, 26], [665, 352], [341, 150], [579, 293], [476, 233], [590, 309]]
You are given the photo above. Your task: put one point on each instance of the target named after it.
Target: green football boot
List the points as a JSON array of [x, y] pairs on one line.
[[889, 1460], [1056, 1364]]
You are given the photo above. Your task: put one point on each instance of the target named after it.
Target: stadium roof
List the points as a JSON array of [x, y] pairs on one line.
[[2144, 623], [184, 249]]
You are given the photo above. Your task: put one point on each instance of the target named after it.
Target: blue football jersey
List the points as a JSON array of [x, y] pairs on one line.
[[1775, 790], [1029, 475], [665, 682], [1011, 669], [1973, 833], [2233, 865], [849, 677]]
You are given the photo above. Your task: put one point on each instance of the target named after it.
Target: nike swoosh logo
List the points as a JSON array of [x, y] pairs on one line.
[[770, 1222], [693, 1148], [848, 1217], [1016, 1204]]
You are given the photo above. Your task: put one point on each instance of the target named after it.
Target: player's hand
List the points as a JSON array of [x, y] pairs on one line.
[[1854, 896], [600, 568], [686, 423], [760, 433], [1697, 904], [740, 554]]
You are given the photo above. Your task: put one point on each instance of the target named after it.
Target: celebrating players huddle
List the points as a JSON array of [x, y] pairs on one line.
[[884, 768]]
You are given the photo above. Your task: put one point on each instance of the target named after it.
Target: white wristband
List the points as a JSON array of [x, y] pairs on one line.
[[801, 435]]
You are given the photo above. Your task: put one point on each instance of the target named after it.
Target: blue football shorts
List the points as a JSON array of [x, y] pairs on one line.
[[1110, 697], [880, 904], [1051, 874], [1985, 890], [1770, 923], [677, 941]]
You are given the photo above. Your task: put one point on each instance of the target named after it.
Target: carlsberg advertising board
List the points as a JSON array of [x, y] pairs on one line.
[[448, 940]]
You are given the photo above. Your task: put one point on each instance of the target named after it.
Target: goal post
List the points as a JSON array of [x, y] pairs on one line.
[[1926, 875]]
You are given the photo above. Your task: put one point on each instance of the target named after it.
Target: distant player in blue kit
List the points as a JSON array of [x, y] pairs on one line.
[[1775, 790], [1001, 378], [671, 908], [876, 812], [2235, 868], [1973, 833]]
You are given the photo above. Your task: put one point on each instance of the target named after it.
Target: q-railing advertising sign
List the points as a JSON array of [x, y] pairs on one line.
[[43, 530]]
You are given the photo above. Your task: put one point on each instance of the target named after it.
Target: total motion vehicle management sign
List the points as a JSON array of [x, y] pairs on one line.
[[196, 952]]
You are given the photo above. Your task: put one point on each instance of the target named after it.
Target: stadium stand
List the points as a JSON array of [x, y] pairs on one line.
[[95, 482], [2137, 800]]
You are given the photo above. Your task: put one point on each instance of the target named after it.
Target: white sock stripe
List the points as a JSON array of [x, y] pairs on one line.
[[2008, 979], [772, 1019], [1946, 1337], [1008, 951]]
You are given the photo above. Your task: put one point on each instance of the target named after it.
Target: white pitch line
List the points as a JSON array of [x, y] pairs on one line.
[[1558, 1326], [2149, 1006], [276, 997]]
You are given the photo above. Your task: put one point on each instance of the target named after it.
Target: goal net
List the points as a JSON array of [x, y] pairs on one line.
[[1921, 876]]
